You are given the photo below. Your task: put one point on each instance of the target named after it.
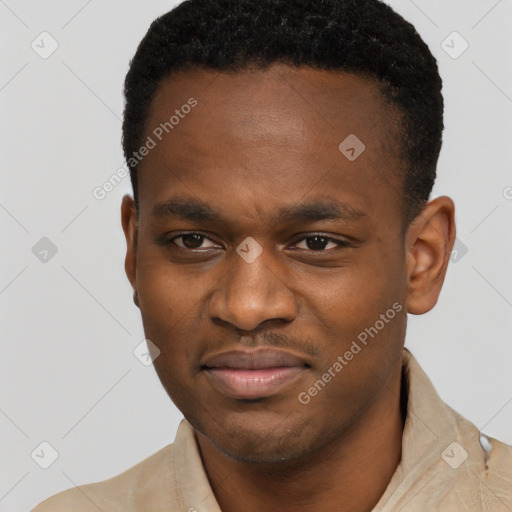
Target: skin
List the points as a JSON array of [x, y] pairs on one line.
[[259, 141]]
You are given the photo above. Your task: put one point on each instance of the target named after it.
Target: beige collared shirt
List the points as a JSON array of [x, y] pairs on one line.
[[445, 466]]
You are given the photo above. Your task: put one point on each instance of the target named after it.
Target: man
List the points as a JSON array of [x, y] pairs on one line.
[[282, 155]]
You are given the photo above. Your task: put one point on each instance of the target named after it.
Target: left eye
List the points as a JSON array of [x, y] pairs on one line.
[[320, 243]]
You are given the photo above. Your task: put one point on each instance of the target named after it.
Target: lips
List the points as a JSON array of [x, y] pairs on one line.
[[253, 374]]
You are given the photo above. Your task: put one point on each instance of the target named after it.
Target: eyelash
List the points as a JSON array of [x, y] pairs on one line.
[[339, 243]]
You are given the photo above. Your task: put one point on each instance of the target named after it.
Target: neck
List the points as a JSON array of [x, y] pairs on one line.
[[354, 470]]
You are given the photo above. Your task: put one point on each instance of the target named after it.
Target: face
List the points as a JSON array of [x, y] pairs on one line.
[[270, 267]]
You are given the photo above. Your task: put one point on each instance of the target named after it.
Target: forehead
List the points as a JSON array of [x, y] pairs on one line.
[[276, 134]]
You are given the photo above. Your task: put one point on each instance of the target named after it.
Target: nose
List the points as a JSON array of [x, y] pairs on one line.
[[252, 293]]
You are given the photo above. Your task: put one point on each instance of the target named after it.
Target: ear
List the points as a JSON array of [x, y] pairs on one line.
[[129, 223], [429, 242]]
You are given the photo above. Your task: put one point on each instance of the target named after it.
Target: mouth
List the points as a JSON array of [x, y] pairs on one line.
[[254, 374]]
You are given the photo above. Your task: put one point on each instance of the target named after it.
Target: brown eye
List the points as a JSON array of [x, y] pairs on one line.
[[192, 241], [319, 243]]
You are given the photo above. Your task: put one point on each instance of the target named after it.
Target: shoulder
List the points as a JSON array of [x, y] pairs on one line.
[[148, 483], [499, 464]]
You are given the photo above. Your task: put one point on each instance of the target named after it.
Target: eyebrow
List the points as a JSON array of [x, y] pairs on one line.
[[310, 211]]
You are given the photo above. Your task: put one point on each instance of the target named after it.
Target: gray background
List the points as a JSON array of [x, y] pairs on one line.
[[69, 326]]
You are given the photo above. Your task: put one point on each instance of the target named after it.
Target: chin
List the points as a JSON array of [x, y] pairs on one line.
[[251, 440], [259, 451]]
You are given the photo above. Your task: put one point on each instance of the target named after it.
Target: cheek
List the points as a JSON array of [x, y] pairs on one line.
[[167, 317], [359, 322], [167, 307], [359, 303], [164, 293], [352, 293]]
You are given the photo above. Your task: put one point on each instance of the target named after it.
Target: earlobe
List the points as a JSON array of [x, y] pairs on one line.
[[429, 242], [129, 224]]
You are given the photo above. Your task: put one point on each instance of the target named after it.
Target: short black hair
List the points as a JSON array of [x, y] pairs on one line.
[[365, 37]]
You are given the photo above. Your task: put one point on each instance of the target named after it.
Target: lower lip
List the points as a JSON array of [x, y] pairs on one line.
[[244, 383]]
